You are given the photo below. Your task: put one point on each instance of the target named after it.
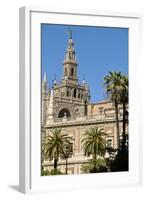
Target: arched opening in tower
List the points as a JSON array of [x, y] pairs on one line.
[[75, 92], [65, 71], [72, 71], [64, 113], [86, 108]]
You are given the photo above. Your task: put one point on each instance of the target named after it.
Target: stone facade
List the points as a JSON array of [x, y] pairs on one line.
[[67, 106]]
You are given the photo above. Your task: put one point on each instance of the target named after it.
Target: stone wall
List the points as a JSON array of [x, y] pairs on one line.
[[76, 132]]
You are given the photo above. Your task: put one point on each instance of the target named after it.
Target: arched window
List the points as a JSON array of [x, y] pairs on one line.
[[65, 71], [86, 108], [69, 55], [72, 71], [64, 113], [75, 92], [67, 93]]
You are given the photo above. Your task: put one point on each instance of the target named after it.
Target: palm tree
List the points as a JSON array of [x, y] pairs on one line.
[[113, 89], [56, 143], [124, 101], [94, 143]]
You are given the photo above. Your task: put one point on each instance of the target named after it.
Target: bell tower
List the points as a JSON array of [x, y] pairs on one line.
[[70, 63], [69, 97]]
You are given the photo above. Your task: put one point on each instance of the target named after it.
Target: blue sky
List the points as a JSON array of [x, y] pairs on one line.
[[98, 50]]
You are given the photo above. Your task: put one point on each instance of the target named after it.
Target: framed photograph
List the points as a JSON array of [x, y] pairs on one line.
[[79, 100]]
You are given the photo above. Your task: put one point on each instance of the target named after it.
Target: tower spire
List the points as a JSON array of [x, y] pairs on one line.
[[70, 34], [83, 78], [44, 83], [70, 63], [45, 77], [44, 97], [50, 107]]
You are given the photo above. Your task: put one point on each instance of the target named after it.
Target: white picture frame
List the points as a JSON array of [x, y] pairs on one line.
[[29, 160]]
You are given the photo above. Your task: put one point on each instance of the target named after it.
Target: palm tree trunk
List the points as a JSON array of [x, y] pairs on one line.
[[124, 127], [66, 169], [117, 124], [94, 159], [55, 163], [56, 159]]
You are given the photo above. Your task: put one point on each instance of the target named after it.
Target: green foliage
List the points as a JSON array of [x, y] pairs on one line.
[[113, 82], [45, 173], [94, 166], [124, 89], [93, 142], [117, 89], [120, 162], [55, 172], [51, 172], [55, 145]]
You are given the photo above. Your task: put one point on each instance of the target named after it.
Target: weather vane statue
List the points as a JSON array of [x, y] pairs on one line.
[[70, 34]]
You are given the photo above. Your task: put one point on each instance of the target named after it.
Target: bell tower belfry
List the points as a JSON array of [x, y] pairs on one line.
[[70, 63], [70, 97]]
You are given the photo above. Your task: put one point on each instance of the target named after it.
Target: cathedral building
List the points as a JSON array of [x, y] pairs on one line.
[[67, 106]]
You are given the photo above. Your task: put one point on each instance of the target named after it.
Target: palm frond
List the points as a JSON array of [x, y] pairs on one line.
[[93, 142]]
